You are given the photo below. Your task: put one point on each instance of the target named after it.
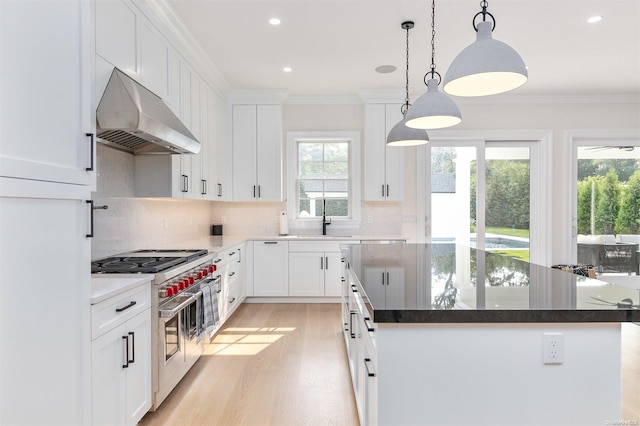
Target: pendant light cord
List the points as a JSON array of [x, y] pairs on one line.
[[433, 38], [406, 87]]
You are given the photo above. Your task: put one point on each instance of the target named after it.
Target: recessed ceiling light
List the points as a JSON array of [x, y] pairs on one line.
[[287, 69], [386, 69], [594, 19], [274, 21]]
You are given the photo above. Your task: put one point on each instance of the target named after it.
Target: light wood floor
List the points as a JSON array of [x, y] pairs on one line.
[[285, 364], [271, 364]]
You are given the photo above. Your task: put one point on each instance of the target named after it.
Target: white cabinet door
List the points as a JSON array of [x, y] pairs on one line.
[[154, 60], [388, 290], [108, 378], [394, 158], [306, 274], [383, 166], [244, 131], [257, 152], [48, 222], [138, 381], [269, 152], [333, 274], [119, 47], [46, 91], [394, 298], [270, 268], [220, 152]]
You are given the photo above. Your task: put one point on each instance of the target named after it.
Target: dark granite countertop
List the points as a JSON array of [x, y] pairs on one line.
[[438, 283]]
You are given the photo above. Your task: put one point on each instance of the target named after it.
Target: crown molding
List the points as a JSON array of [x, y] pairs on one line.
[[323, 100], [258, 96], [592, 98]]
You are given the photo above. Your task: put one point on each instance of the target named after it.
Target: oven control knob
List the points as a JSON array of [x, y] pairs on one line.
[[191, 280], [187, 282], [205, 272], [165, 292], [212, 268], [199, 275], [175, 288], [182, 285]]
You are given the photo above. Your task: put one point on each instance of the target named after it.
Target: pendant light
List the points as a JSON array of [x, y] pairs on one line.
[[487, 66], [434, 109], [400, 134]]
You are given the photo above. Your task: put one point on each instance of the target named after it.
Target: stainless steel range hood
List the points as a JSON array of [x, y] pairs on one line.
[[132, 118]]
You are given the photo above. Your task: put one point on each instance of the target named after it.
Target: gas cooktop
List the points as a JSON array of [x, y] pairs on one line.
[[145, 261]]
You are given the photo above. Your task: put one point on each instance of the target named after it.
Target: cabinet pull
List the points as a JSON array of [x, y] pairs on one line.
[[233, 299], [218, 260], [239, 255], [370, 373], [387, 278], [254, 191], [354, 288], [90, 168], [326, 263], [90, 234], [185, 183], [382, 278], [133, 348], [382, 190], [368, 324], [351, 314], [204, 186], [321, 263], [126, 351], [219, 190], [124, 308], [387, 190], [232, 253], [259, 191], [231, 274], [271, 242]]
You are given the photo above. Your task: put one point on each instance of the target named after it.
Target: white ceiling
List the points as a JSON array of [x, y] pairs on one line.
[[334, 46]]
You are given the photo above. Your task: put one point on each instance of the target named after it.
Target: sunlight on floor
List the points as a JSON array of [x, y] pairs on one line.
[[245, 341]]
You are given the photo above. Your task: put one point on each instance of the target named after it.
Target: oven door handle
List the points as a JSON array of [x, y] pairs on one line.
[[170, 313]]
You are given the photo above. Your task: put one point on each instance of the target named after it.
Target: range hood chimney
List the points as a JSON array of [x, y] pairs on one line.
[[132, 118]]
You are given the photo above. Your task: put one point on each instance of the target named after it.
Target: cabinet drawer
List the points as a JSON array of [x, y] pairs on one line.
[[232, 272], [118, 309], [227, 256], [315, 246], [233, 296]]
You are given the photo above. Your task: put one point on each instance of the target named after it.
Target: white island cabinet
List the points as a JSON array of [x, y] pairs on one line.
[[121, 355]]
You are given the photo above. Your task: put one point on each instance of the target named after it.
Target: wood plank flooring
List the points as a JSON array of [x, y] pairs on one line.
[[285, 364], [271, 364]]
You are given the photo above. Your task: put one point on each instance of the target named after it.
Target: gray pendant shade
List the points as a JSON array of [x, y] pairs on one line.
[[433, 110], [401, 135], [485, 67]]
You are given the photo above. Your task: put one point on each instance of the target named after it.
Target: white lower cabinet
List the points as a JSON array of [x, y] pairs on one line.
[[230, 267], [315, 268], [270, 268], [121, 358]]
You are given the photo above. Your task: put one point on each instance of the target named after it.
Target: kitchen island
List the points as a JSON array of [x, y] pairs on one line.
[[445, 334]]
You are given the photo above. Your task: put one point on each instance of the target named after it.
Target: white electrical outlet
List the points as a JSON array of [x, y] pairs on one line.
[[553, 347]]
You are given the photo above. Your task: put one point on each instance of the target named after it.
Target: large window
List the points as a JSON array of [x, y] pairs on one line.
[[323, 178], [323, 175]]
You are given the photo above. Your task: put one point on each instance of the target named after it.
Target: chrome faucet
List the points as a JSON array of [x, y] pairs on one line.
[[324, 217]]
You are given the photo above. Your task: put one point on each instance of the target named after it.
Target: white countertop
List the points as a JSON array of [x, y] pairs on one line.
[[104, 286]]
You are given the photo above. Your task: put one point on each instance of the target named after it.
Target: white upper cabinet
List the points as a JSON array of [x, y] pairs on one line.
[[383, 166], [219, 150], [154, 60], [46, 56], [117, 34], [257, 152]]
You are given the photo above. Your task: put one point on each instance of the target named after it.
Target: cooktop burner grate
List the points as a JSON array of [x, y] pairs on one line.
[[145, 261]]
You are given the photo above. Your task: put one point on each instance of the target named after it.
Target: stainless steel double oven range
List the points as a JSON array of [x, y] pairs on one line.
[[178, 276]]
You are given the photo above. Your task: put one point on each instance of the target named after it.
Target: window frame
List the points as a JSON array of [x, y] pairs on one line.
[[355, 189]]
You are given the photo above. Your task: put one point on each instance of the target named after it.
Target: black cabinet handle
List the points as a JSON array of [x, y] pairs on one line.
[[382, 190], [219, 190], [231, 274], [370, 373], [387, 190], [124, 308], [254, 191], [271, 242], [126, 350], [90, 234], [185, 183], [351, 314], [326, 263], [233, 299], [259, 191], [232, 253], [354, 288], [368, 324], [133, 348], [204, 186], [321, 263], [90, 168]]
